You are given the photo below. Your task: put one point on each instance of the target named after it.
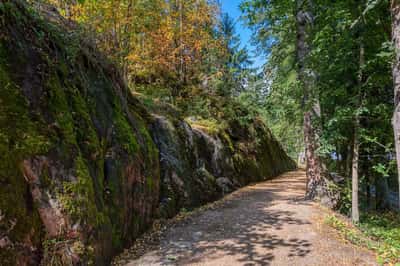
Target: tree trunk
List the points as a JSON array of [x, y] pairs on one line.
[[368, 193], [313, 163], [395, 9], [349, 160], [354, 199], [382, 194], [127, 40], [385, 194], [181, 49], [355, 214], [306, 77]]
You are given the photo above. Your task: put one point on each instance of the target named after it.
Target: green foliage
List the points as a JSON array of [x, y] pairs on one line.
[[351, 234], [214, 89], [386, 229], [380, 233], [381, 169], [350, 53], [211, 126], [53, 251], [345, 200], [273, 26], [235, 62]]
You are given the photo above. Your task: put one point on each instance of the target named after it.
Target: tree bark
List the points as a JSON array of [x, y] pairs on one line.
[[355, 214], [304, 19], [395, 9], [181, 49], [368, 188], [313, 163], [382, 194], [349, 160]]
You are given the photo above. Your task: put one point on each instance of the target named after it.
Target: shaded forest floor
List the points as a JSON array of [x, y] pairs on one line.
[[267, 223]]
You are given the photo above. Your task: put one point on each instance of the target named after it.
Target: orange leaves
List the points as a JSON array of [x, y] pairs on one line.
[[151, 37]]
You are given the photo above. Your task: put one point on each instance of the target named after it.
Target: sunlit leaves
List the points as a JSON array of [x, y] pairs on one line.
[[150, 39]]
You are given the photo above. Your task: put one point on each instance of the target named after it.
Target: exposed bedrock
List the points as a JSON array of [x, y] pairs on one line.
[[84, 167]]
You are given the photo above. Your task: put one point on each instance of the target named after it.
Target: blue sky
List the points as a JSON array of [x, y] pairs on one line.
[[232, 8]]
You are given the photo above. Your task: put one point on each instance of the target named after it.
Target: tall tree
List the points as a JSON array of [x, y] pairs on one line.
[[348, 103], [312, 112], [274, 30], [235, 61], [357, 119], [395, 9], [356, 143]]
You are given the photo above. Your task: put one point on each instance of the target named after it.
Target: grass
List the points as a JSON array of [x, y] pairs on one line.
[[211, 126], [377, 232], [384, 228]]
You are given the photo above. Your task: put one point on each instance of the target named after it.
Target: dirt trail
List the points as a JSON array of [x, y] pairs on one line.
[[262, 224]]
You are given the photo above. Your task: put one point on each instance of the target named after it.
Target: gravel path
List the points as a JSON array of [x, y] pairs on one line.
[[262, 224]]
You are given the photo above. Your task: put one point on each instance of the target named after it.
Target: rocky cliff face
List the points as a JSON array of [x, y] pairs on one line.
[[79, 170], [84, 167], [197, 167]]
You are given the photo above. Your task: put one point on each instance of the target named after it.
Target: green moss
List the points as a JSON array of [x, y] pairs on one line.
[[227, 140], [78, 197], [20, 138], [210, 126], [73, 121], [18, 132], [124, 132], [247, 167], [150, 182], [150, 148], [52, 255], [78, 107], [58, 106], [45, 179], [116, 238], [85, 133]]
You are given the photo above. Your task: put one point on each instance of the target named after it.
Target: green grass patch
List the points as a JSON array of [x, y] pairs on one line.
[[384, 228], [379, 233], [210, 126]]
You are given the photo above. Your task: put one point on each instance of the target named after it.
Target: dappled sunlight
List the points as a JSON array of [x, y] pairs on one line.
[[268, 223]]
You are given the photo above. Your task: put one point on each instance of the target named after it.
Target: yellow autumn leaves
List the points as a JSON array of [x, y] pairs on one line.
[[151, 39]]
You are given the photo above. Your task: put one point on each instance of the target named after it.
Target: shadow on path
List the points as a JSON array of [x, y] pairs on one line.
[[245, 229], [263, 224]]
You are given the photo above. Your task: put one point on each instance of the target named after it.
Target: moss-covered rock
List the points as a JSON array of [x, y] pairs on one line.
[[200, 165], [80, 174]]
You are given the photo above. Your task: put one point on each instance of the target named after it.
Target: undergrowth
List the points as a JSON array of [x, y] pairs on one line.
[[379, 233], [211, 126]]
